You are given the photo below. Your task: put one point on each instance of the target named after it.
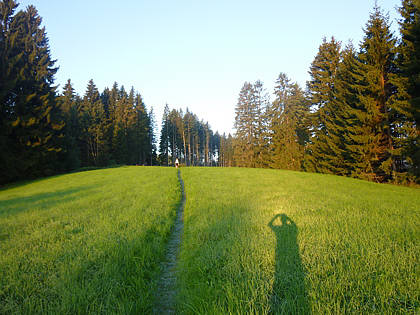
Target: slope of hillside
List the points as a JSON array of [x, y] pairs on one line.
[[89, 242], [262, 241]]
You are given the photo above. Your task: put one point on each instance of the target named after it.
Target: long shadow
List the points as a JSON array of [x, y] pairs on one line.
[[43, 200], [289, 294]]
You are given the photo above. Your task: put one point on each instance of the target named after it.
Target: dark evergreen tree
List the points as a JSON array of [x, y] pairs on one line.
[[176, 135], [31, 121], [142, 130], [152, 139], [94, 128], [343, 124], [72, 135], [378, 111], [409, 63], [323, 72], [164, 137]]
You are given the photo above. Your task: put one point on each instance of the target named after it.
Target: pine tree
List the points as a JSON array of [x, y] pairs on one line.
[[244, 125], [249, 142], [374, 150], [176, 133], [152, 138], [164, 137], [262, 103], [94, 127], [323, 72], [142, 130], [344, 124], [287, 116], [31, 122], [72, 134], [409, 63]]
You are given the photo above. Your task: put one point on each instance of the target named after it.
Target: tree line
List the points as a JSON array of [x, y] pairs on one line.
[[192, 141], [42, 131], [359, 115]]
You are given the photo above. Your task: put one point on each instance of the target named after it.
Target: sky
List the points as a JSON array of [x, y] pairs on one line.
[[195, 53]]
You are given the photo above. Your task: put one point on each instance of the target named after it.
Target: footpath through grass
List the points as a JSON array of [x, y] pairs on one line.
[[87, 242], [268, 241]]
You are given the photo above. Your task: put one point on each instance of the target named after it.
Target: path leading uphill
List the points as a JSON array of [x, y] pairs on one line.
[[165, 298]]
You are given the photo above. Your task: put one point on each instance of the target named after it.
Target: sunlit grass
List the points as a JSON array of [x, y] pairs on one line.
[[87, 242], [269, 241]]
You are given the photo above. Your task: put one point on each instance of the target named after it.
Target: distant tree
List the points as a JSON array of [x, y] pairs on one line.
[[262, 103], [216, 148], [94, 127], [176, 133], [249, 125], [164, 137], [152, 138], [287, 117], [142, 130], [72, 134], [226, 151]]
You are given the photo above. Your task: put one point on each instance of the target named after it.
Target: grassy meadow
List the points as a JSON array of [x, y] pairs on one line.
[[260, 241], [255, 241], [89, 242]]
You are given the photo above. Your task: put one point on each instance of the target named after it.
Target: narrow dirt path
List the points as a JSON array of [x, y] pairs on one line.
[[165, 297]]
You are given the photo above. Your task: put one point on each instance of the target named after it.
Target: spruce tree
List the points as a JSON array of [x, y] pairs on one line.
[[262, 103], [250, 124], [164, 137], [287, 117], [244, 154], [323, 72], [31, 121], [94, 127], [176, 135], [142, 129], [72, 134], [378, 108], [409, 63], [152, 138], [344, 125]]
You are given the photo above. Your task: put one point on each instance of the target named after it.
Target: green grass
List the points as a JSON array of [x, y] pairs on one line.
[[88, 242], [255, 241], [269, 241]]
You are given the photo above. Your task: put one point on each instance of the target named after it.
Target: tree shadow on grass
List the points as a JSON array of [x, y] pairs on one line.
[[45, 200], [289, 294]]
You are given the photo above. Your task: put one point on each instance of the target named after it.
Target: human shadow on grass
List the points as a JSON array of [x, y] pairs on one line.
[[289, 294]]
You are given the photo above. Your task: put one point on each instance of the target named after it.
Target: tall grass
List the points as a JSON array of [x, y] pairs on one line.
[[87, 242], [268, 241]]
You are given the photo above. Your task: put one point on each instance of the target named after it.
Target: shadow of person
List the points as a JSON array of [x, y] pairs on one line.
[[289, 294]]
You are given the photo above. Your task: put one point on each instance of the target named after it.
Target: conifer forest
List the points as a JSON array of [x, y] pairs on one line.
[[358, 115]]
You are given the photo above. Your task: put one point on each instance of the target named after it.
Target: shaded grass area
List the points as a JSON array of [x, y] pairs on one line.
[[270, 241], [88, 242]]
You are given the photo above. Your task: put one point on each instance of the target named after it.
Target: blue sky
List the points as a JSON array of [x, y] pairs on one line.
[[195, 53]]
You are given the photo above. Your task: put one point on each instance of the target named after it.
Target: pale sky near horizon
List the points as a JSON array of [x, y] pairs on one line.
[[193, 53]]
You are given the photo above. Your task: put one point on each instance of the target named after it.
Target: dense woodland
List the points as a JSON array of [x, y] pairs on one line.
[[358, 115], [45, 132]]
